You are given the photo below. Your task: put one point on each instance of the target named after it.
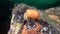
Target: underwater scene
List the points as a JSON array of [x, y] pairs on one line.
[[30, 16]]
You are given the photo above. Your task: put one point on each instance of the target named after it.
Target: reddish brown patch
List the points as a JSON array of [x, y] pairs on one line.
[[32, 31]]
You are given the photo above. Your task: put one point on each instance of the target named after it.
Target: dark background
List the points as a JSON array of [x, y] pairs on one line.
[[7, 5]]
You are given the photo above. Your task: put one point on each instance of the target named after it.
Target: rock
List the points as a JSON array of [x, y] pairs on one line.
[[54, 14], [22, 24]]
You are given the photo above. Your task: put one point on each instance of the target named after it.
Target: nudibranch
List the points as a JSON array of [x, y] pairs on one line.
[[32, 14]]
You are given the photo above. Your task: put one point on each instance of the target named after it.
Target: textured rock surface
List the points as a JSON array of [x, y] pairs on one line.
[[20, 25], [54, 15]]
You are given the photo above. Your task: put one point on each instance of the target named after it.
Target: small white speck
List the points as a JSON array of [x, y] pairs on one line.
[[45, 28]]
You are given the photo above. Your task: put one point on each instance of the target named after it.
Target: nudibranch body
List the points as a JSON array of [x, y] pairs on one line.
[[32, 14]]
